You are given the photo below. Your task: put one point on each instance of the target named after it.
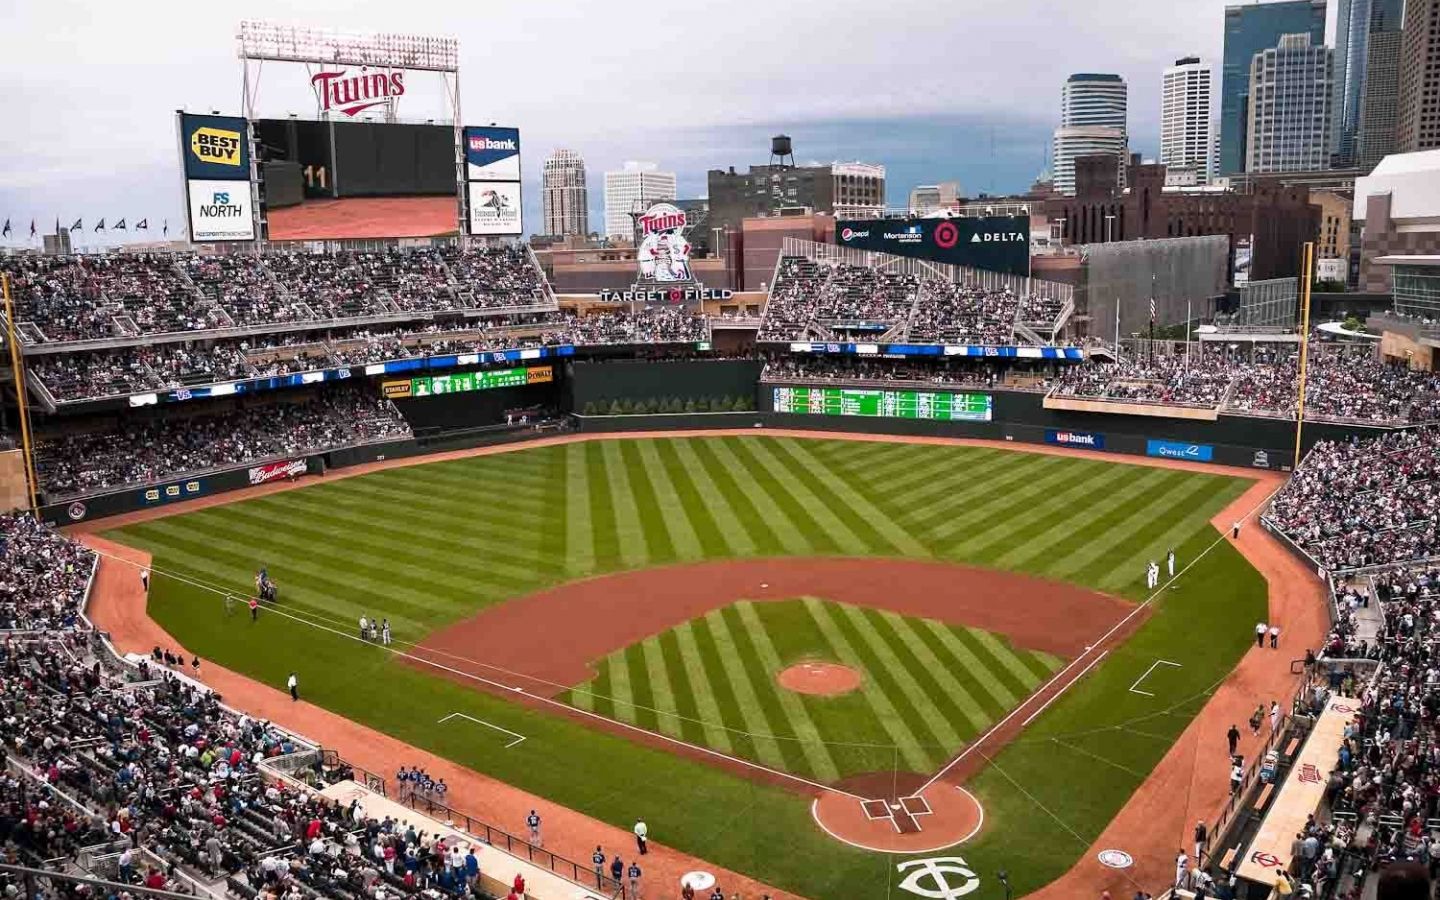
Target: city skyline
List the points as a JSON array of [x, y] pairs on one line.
[[805, 92]]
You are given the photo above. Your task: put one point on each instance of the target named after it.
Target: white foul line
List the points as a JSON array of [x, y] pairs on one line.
[[1134, 688], [1055, 679], [1055, 696], [518, 737]]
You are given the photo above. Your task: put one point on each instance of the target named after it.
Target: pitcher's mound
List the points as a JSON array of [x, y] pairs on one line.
[[821, 679]]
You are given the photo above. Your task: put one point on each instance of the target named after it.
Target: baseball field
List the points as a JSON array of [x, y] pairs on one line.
[[628, 606]]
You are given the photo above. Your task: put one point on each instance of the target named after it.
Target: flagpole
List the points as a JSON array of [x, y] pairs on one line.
[[1308, 260]]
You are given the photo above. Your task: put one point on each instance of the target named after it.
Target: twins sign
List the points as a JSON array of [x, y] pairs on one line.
[[664, 250]]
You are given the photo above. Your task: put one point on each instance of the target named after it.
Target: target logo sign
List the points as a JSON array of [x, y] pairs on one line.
[[946, 235], [675, 295]]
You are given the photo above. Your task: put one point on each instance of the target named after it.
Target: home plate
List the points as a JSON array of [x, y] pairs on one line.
[[764, 585]]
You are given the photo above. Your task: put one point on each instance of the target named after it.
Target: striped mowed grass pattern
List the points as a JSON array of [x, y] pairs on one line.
[[429, 544], [927, 687]]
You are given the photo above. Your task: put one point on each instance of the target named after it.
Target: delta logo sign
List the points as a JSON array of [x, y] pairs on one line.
[[353, 94]]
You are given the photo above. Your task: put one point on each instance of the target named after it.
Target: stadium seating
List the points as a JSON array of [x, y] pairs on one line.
[[826, 300], [140, 451], [131, 295]]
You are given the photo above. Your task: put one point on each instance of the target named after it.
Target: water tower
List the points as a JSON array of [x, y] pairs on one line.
[[780, 151]]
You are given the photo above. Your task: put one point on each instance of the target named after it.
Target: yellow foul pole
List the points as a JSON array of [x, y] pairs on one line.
[[17, 370], [1307, 276]]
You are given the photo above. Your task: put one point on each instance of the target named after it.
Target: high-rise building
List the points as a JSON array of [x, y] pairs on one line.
[[637, 184], [1380, 95], [565, 201], [927, 198], [1249, 29], [1071, 143], [1186, 136], [1292, 89], [1093, 115], [1417, 124], [1358, 53]]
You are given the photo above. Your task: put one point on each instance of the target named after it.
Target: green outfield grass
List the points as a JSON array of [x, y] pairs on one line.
[[430, 544], [928, 687]]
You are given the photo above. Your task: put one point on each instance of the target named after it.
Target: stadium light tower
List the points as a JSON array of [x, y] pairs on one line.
[[320, 48]]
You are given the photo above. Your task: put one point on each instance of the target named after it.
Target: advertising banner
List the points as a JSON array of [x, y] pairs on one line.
[[664, 253], [492, 154], [1179, 450], [290, 468], [171, 492], [215, 147], [220, 211], [992, 243], [495, 207], [1087, 439]]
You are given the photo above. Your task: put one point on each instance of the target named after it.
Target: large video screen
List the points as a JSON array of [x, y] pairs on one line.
[[991, 243], [332, 179], [936, 405]]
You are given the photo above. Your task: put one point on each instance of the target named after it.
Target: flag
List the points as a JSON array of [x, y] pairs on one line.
[[6, 230], [166, 230], [1152, 310], [120, 225], [142, 225], [100, 225], [32, 228], [78, 226]]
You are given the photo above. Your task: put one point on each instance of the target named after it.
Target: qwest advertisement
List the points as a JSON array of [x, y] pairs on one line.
[[220, 211], [1178, 450], [492, 154], [992, 243]]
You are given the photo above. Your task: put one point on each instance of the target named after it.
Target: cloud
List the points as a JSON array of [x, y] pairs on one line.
[[622, 79]]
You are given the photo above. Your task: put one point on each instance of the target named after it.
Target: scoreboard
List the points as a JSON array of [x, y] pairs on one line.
[[937, 405], [460, 382]]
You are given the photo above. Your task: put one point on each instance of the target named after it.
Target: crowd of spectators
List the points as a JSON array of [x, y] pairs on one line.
[[1169, 380], [71, 298], [824, 299], [146, 450], [43, 577], [1354, 504], [94, 374], [161, 785]]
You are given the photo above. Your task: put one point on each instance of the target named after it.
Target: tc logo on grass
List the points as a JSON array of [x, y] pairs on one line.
[[933, 877]]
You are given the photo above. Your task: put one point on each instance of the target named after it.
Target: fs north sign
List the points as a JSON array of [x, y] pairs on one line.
[[220, 211], [991, 243], [352, 93], [215, 147]]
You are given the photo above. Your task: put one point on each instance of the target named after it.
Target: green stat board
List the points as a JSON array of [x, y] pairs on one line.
[[944, 407], [460, 382]]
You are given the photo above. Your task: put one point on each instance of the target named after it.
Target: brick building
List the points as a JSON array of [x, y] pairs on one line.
[[1278, 218], [1399, 204]]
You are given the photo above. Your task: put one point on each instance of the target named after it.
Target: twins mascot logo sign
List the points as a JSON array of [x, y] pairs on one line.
[[664, 251]]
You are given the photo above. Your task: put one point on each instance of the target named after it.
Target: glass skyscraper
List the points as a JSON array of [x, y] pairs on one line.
[[1249, 29]]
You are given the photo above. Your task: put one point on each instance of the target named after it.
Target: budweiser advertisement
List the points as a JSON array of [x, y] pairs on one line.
[[290, 468]]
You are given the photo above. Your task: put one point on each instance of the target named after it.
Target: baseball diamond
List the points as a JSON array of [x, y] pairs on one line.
[[594, 572], [378, 523]]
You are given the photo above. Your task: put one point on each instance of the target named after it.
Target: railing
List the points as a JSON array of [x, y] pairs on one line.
[[576, 873]]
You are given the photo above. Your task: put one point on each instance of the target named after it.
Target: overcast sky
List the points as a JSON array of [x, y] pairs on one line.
[[934, 89]]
